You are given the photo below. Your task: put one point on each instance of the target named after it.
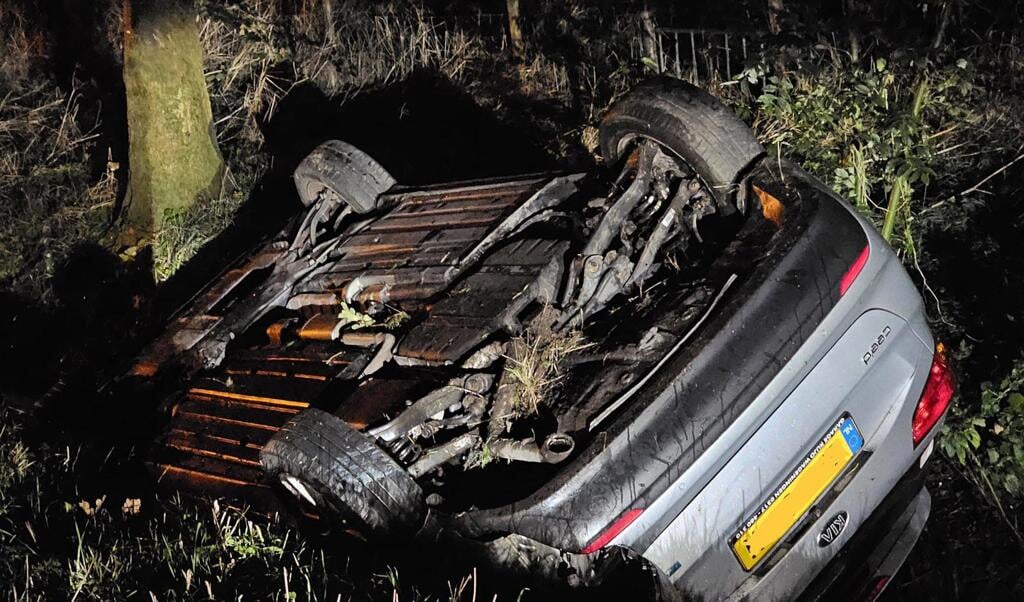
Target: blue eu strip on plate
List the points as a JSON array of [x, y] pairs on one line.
[[852, 436]]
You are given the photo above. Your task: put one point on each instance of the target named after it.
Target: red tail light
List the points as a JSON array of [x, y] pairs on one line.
[[854, 271], [938, 391], [614, 529], [877, 588]]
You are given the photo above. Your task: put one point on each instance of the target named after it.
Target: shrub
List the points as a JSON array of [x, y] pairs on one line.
[[990, 436], [875, 129]]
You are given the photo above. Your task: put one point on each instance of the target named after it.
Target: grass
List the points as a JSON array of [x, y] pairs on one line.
[[534, 363], [74, 525], [184, 233], [51, 201]]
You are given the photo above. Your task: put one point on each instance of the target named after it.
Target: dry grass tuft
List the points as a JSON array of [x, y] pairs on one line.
[[535, 362], [355, 45], [50, 203]]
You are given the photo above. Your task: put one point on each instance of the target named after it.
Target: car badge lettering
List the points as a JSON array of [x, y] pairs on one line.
[[835, 527], [876, 345]]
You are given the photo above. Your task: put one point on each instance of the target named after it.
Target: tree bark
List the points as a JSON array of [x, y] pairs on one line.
[[172, 150], [515, 31]]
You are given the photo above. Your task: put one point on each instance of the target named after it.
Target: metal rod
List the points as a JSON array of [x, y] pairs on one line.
[[661, 56], [693, 55], [679, 68], [728, 67]]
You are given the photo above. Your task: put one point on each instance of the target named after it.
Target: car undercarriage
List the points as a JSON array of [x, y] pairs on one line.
[[461, 328]]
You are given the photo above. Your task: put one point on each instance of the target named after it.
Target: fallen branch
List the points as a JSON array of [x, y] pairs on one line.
[[992, 175], [977, 186]]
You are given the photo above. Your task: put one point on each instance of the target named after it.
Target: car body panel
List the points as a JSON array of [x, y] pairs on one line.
[[833, 373]]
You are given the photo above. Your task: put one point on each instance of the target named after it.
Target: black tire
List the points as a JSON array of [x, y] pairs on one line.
[[347, 472], [696, 126], [345, 170]]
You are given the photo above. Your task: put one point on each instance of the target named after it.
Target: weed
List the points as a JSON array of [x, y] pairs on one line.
[[184, 233], [991, 436], [535, 362], [353, 318], [15, 459]]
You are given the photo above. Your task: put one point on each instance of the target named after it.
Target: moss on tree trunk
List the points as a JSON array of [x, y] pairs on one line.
[[172, 150]]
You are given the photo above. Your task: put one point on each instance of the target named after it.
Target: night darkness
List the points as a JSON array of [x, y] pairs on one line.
[[148, 163]]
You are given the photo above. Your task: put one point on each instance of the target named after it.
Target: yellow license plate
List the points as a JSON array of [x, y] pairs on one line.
[[795, 495]]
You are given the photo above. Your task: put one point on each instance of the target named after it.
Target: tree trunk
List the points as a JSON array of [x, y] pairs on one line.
[[515, 32], [775, 11], [649, 34], [940, 31], [172, 150]]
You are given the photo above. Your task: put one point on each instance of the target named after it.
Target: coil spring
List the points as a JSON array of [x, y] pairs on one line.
[[404, 450]]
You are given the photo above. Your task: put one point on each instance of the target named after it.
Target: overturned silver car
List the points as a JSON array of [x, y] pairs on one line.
[[698, 354]]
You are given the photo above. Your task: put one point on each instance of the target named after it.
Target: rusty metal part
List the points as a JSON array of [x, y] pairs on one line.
[[322, 327], [307, 299], [486, 301], [417, 248], [432, 404], [217, 427], [665, 228], [555, 448], [436, 456], [276, 332], [203, 313], [214, 438]]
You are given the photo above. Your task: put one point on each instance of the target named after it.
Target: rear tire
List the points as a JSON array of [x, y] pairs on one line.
[[344, 170], [691, 123], [324, 462]]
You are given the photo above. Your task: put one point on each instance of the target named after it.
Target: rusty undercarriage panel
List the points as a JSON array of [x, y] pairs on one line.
[[217, 427], [410, 252]]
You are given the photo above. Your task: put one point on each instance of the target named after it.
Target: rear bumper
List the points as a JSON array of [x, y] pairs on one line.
[[869, 560], [859, 571]]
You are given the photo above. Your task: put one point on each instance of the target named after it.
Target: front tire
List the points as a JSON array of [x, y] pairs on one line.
[[691, 123], [339, 471]]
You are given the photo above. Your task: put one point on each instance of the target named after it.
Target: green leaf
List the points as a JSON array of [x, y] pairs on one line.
[[354, 318]]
